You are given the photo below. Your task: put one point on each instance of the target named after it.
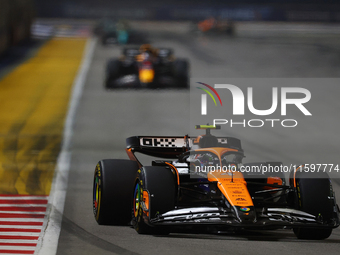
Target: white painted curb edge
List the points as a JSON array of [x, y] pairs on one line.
[[49, 237]]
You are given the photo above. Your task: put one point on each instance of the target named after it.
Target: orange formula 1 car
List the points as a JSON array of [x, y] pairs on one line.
[[207, 187], [215, 26]]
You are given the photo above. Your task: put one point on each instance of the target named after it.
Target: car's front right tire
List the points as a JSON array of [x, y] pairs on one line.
[[314, 195]]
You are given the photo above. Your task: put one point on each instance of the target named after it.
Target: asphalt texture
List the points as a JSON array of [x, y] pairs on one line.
[[105, 118]]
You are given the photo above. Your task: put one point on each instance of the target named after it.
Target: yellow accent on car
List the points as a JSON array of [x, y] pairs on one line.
[[146, 75], [206, 127]]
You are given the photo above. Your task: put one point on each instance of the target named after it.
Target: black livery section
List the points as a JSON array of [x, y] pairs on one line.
[[173, 146]]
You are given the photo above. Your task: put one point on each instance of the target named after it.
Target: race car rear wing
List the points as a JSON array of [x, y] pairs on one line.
[[172, 146]]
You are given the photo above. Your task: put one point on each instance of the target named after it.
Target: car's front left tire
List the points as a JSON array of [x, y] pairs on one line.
[[112, 191], [155, 191], [113, 70]]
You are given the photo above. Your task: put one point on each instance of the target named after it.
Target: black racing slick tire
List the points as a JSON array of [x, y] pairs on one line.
[[182, 73], [312, 234], [158, 184], [112, 185], [113, 68], [313, 195]]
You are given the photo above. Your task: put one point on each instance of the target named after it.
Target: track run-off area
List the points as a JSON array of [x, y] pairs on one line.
[[34, 99]]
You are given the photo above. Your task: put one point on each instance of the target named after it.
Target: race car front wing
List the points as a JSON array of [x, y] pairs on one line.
[[264, 218]]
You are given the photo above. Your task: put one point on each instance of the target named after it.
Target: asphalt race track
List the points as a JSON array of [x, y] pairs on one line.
[[105, 118]]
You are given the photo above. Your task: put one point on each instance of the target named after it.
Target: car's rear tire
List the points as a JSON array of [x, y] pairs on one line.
[[182, 73], [313, 193], [112, 185], [113, 69], [160, 185]]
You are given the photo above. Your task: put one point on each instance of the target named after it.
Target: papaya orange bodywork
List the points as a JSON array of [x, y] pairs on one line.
[[146, 201], [233, 187], [273, 180], [217, 150], [132, 156], [295, 175], [230, 183], [175, 169]]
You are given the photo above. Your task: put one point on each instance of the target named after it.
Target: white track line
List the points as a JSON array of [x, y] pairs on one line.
[[19, 227], [17, 248], [22, 219], [9, 241], [53, 221], [19, 234]]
